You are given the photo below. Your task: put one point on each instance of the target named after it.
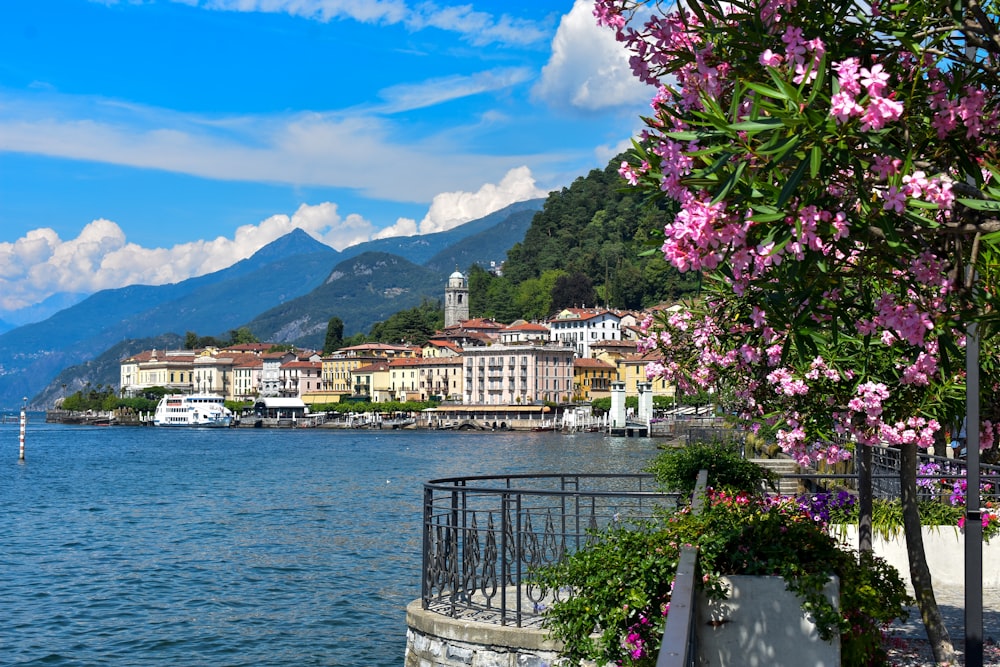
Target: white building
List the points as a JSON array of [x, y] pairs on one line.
[[580, 327]]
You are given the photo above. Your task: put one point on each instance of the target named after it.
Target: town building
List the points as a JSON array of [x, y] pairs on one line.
[[592, 379], [518, 374], [520, 332], [434, 378], [300, 376], [581, 327], [456, 299], [247, 373]]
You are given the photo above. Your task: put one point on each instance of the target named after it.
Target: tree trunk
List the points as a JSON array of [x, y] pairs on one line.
[[920, 574]]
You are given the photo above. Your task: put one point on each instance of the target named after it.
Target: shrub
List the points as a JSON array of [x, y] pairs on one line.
[[676, 469], [621, 583]]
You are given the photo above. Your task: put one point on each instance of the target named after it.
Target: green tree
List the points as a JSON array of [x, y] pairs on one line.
[[573, 291], [334, 335], [835, 175], [241, 336]]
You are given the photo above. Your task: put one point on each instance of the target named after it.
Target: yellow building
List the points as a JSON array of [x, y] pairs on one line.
[[592, 379], [632, 371]]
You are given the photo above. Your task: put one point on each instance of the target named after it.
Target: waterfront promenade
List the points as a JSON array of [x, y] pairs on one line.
[[907, 641]]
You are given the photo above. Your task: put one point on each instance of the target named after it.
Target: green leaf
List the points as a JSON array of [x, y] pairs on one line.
[[815, 161], [792, 183], [767, 91], [980, 204], [730, 182], [759, 125]]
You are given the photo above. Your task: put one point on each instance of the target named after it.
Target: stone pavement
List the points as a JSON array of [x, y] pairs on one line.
[[951, 602]]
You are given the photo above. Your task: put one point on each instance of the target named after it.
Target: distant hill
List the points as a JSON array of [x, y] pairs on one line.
[[481, 248], [33, 354], [360, 291]]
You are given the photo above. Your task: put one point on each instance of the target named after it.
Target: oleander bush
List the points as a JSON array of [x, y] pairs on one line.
[[619, 586]]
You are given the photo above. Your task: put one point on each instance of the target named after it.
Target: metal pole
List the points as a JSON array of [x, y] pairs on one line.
[[865, 499], [24, 422], [973, 517]]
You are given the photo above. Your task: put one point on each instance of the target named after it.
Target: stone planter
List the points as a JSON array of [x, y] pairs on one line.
[[761, 623], [944, 547]]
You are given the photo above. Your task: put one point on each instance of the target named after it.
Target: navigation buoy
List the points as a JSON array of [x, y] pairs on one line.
[[24, 422]]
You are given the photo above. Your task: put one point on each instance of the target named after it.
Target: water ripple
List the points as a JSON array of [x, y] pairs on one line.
[[130, 546]]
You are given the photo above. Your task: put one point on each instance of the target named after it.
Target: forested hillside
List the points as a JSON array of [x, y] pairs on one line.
[[596, 236]]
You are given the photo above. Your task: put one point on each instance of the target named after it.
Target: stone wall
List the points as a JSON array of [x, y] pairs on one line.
[[434, 640]]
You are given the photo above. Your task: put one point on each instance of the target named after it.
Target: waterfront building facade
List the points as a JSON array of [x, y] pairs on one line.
[[299, 377], [518, 374], [592, 379], [246, 377]]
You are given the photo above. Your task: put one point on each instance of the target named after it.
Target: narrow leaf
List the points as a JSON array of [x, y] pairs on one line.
[[792, 183]]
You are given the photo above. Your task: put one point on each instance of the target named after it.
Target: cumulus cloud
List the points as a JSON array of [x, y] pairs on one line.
[[41, 264], [588, 70], [450, 209]]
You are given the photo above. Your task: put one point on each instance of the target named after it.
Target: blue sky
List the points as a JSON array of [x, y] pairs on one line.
[[146, 141]]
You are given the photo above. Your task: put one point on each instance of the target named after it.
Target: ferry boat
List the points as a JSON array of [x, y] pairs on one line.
[[192, 410]]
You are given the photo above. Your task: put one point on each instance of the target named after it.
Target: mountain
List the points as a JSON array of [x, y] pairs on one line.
[[40, 311], [33, 354], [286, 292], [102, 369], [482, 248], [421, 249], [360, 291]]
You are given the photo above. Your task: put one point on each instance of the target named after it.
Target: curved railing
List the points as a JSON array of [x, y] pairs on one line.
[[482, 536]]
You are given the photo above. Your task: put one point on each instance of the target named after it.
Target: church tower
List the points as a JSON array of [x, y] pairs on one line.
[[456, 299]]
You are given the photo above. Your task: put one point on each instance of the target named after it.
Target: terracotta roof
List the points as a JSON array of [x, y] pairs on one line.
[[587, 362], [302, 364], [528, 326], [372, 368], [580, 314]]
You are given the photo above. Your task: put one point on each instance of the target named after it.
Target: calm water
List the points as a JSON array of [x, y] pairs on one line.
[[143, 546]]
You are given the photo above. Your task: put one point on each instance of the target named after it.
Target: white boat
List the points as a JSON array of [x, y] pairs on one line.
[[192, 410]]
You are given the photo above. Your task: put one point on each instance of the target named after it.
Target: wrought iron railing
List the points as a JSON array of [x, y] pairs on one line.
[[483, 536]]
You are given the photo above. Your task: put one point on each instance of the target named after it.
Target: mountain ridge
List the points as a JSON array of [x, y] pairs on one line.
[[233, 297]]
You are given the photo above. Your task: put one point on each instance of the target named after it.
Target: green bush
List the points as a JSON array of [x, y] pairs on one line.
[[621, 583], [676, 469]]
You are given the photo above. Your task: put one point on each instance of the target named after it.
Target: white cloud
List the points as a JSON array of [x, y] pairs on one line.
[[41, 264], [451, 209], [478, 28], [344, 150], [406, 97], [588, 70]]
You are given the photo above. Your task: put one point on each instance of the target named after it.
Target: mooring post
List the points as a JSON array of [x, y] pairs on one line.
[[24, 422]]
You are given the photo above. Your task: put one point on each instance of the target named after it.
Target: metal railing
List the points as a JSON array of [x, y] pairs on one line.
[[938, 477], [483, 536]]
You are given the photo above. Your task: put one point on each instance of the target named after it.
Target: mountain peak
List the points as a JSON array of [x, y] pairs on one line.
[[295, 242]]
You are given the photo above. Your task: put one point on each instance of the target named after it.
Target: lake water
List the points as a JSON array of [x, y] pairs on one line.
[[144, 546]]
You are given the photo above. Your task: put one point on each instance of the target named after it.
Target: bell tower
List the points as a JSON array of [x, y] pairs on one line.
[[456, 299]]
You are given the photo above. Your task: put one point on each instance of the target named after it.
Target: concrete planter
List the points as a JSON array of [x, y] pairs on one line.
[[762, 623], [944, 547]]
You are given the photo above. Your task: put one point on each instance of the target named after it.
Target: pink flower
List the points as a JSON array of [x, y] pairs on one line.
[[874, 79], [770, 59], [894, 200]]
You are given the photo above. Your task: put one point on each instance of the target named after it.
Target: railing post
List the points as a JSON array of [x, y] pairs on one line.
[[425, 584]]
